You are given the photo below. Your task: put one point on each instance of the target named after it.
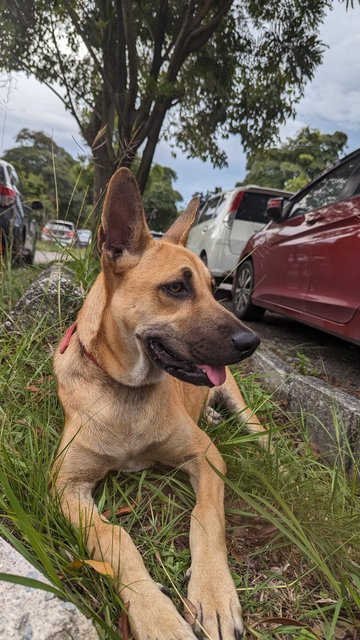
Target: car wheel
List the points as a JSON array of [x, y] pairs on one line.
[[244, 286], [29, 257], [203, 257]]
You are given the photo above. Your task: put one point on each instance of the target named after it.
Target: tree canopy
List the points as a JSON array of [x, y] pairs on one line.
[[64, 185], [49, 173], [297, 161], [193, 71]]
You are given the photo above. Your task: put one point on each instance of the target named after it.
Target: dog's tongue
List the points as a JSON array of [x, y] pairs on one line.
[[216, 375]]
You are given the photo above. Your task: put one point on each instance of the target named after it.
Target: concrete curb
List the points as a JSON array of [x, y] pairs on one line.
[[34, 614], [332, 417]]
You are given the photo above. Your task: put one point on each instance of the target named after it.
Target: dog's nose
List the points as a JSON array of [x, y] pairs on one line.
[[246, 342]]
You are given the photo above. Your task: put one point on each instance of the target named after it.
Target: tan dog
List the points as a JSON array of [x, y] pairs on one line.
[[149, 314]]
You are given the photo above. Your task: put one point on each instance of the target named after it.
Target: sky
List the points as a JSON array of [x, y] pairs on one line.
[[331, 103]]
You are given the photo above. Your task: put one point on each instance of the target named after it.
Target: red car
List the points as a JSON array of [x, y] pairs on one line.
[[305, 264]]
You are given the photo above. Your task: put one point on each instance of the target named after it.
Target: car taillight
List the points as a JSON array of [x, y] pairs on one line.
[[45, 230], [273, 203], [7, 196], [234, 205], [70, 234]]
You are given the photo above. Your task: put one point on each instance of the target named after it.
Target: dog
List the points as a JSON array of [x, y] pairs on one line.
[[146, 357]]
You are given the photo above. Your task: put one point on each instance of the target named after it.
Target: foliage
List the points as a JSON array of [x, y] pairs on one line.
[[192, 71], [297, 161], [50, 174], [63, 184], [160, 198]]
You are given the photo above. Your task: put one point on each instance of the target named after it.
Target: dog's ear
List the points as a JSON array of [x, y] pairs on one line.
[[123, 225], [180, 229]]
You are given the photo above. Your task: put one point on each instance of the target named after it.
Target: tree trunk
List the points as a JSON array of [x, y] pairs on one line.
[[103, 170], [152, 140]]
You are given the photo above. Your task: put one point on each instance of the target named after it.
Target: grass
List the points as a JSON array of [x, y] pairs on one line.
[[57, 248], [293, 523]]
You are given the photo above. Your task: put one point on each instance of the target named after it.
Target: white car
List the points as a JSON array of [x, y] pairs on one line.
[[83, 237], [62, 232], [225, 223]]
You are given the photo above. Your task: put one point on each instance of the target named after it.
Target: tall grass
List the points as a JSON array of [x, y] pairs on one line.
[[293, 522]]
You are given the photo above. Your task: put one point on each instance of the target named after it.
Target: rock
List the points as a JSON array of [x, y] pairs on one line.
[[331, 416], [51, 298], [34, 614]]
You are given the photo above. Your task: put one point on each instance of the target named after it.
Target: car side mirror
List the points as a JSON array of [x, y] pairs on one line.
[[274, 209], [37, 205]]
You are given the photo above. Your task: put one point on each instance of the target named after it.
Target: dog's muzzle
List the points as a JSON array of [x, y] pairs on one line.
[[211, 373]]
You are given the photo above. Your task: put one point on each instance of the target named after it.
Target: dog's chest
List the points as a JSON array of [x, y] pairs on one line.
[[129, 424]]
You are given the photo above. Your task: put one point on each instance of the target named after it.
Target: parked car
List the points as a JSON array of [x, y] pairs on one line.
[[156, 234], [62, 232], [305, 263], [83, 237], [18, 227], [225, 223]]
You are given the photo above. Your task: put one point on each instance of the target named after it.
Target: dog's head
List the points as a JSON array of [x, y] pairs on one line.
[[156, 307]]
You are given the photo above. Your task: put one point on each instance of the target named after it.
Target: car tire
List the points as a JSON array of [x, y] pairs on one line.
[[29, 257], [243, 289], [203, 258]]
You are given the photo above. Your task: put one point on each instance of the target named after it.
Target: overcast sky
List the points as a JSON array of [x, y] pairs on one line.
[[331, 103]]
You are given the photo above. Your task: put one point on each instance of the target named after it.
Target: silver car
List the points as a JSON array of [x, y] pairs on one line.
[[63, 232], [18, 227]]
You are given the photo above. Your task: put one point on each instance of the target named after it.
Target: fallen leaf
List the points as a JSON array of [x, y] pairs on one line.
[[104, 568], [346, 631], [33, 388], [190, 611], [123, 624], [255, 535], [286, 622], [119, 512]]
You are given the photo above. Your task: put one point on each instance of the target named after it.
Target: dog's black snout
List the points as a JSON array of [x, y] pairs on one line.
[[246, 342]]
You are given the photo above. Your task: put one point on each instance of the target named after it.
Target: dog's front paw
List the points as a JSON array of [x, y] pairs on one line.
[[212, 416], [216, 610], [152, 616]]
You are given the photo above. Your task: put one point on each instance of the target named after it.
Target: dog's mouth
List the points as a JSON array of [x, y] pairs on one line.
[[174, 364]]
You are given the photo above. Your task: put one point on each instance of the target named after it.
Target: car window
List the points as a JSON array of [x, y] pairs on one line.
[[355, 191], [209, 209], [253, 207], [57, 225], [327, 190], [13, 177]]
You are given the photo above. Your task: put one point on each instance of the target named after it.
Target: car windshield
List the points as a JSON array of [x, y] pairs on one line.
[[56, 225]]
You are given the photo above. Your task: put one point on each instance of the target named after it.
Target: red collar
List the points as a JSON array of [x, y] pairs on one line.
[[66, 341]]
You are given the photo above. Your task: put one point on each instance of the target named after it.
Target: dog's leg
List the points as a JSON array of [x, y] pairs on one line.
[[211, 588], [230, 396], [152, 615]]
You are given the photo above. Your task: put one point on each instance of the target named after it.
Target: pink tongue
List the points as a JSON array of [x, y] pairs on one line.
[[216, 375]]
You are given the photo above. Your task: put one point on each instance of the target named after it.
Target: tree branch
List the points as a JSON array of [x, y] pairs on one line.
[[159, 37], [199, 36], [83, 35], [63, 75], [130, 38]]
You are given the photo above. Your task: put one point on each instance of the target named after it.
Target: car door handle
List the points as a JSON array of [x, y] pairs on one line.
[[204, 230], [316, 218]]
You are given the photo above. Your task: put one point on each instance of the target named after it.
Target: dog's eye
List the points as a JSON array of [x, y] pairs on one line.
[[175, 288]]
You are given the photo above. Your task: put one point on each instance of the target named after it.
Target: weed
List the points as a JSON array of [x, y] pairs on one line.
[[293, 523]]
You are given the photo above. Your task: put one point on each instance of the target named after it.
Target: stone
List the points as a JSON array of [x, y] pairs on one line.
[[33, 614], [51, 299]]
